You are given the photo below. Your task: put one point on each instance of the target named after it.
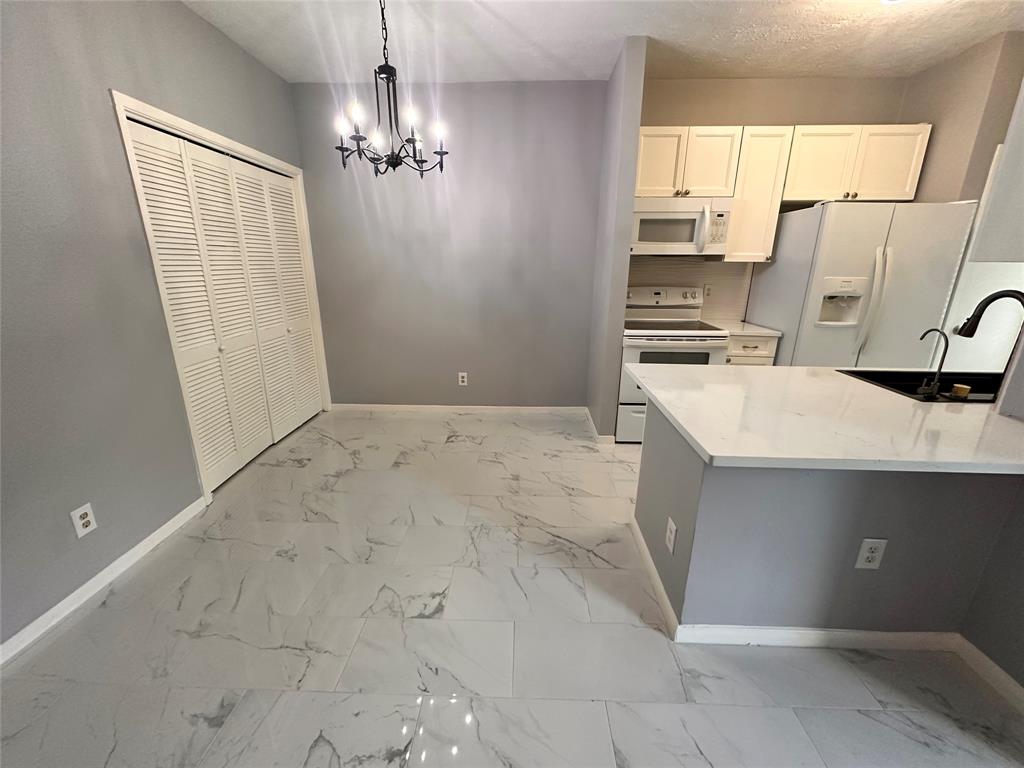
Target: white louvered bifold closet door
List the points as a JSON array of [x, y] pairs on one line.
[[169, 212], [295, 293], [280, 293], [221, 245]]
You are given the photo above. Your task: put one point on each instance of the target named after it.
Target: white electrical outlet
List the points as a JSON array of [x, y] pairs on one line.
[[84, 520], [463, 379], [870, 555], [707, 291], [670, 536]]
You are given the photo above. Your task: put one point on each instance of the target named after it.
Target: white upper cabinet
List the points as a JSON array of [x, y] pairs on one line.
[[889, 160], [755, 207], [680, 161], [660, 160], [856, 162], [712, 155], [822, 161]]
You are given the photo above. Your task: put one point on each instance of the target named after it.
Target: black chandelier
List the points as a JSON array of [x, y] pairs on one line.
[[391, 151]]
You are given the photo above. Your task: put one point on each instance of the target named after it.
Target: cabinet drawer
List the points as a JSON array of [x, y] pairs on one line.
[[630, 425], [749, 360], [752, 345]]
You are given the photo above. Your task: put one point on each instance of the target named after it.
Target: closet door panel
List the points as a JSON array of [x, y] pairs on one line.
[[168, 211], [220, 235], [263, 262], [171, 224], [295, 294]]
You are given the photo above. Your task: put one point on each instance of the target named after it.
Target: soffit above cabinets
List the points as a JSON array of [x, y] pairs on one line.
[[494, 40]]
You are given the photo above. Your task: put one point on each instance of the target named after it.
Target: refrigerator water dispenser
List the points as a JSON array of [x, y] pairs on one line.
[[841, 301]]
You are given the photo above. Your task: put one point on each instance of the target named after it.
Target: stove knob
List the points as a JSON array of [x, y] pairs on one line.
[[693, 294]]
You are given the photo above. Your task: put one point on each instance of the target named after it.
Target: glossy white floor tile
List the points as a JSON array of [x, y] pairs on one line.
[[89, 725], [499, 733], [423, 656], [450, 587], [848, 738], [595, 661], [595, 547], [409, 592], [478, 545], [316, 730], [698, 736], [790, 677], [517, 593]]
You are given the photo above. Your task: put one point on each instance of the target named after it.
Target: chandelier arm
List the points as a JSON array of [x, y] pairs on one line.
[[416, 167], [376, 95]]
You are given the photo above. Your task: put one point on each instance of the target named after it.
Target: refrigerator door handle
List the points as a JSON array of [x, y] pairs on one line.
[[879, 278]]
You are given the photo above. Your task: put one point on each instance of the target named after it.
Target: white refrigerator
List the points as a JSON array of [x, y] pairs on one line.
[[855, 284]]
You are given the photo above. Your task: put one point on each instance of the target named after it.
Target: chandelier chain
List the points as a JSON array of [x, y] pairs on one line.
[[384, 30]]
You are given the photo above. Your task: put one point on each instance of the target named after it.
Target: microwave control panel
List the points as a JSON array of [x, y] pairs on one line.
[[718, 227]]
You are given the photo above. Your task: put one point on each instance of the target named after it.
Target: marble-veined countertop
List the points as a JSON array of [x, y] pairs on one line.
[[817, 418]]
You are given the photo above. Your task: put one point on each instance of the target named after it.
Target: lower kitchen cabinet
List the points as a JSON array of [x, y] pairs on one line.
[[751, 350], [748, 360]]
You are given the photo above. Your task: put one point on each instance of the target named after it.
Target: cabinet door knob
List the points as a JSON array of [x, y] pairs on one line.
[[686, 191], [289, 330], [220, 347], [845, 195], [677, 193], [854, 195]]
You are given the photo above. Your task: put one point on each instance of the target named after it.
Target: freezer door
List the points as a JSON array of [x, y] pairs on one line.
[[848, 242], [922, 258]]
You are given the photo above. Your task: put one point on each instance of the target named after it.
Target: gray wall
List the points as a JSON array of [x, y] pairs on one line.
[[670, 486], [91, 405], [776, 547], [487, 269], [995, 622], [615, 217], [968, 99], [771, 101], [790, 538]]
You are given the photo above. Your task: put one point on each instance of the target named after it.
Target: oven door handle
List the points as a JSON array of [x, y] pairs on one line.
[[677, 344]]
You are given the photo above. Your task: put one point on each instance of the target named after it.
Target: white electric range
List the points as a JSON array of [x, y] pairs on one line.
[[663, 326]]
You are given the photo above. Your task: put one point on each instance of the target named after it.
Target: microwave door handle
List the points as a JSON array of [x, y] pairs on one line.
[[702, 228]]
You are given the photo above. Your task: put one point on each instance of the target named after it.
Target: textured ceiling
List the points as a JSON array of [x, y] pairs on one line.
[[488, 40]]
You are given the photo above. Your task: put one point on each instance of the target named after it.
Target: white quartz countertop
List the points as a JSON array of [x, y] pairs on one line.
[[740, 328], [817, 418]]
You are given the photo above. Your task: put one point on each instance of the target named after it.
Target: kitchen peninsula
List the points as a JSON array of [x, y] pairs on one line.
[[773, 476]]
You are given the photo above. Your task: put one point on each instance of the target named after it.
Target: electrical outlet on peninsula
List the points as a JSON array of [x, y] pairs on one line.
[[670, 536], [84, 520], [870, 554], [463, 379]]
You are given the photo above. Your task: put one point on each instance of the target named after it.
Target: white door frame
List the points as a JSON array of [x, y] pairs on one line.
[[126, 107]]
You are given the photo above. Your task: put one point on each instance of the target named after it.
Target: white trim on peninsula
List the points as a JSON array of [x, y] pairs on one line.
[[672, 626]]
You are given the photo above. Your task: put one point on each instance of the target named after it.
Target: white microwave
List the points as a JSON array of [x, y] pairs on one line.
[[673, 226]]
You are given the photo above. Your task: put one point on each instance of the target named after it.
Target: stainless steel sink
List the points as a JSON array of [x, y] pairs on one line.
[[984, 386]]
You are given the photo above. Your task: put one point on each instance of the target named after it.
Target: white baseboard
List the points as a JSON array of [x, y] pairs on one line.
[[804, 637], [668, 614], [992, 673], [32, 632], [468, 408]]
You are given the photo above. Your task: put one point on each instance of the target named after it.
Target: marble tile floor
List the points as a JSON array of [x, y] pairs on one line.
[[445, 587]]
